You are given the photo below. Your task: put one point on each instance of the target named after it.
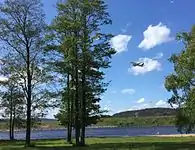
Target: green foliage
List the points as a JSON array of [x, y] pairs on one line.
[[82, 51], [148, 112], [22, 31], [137, 121], [182, 81], [77, 52]]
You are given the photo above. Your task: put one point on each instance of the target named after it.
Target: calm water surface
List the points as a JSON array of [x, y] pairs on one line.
[[96, 132]]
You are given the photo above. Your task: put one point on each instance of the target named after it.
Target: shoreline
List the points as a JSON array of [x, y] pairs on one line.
[[89, 127], [62, 128], [174, 135]]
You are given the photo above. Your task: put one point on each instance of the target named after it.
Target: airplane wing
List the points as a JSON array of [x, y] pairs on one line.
[[137, 64], [141, 64]]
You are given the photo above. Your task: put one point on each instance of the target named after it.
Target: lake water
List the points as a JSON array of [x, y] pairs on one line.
[[95, 132]]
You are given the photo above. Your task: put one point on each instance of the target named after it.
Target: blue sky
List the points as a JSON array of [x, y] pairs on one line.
[[144, 31]]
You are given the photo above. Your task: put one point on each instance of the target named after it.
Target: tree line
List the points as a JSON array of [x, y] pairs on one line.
[[60, 64]]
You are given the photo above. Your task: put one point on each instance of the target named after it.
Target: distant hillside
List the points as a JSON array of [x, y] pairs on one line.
[[147, 112]]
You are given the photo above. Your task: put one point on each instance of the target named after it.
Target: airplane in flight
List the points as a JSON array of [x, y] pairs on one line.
[[139, 64]]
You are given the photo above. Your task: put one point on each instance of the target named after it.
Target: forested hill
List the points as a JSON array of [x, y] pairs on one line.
[[147, 112]]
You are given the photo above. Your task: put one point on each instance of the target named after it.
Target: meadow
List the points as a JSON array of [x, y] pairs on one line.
[[123, 143]]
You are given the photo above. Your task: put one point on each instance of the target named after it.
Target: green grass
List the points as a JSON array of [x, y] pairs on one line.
[[131, 143]]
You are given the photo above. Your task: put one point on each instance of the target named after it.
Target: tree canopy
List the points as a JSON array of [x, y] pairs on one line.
[[182, 82]]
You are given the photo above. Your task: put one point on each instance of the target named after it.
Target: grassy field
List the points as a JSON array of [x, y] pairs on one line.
[[131, 143]]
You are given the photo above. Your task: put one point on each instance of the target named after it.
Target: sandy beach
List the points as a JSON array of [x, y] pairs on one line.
[[175, 135]]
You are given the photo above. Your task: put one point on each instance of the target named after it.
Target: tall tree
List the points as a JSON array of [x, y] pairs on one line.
[[65, 56], [96, 51], [182, 82], [83, 49], [78, 26], [12, 102], [22, 29]]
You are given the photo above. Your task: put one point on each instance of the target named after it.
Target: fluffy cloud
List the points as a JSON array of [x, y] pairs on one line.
[[149, 65], [140, 106], [97, 103], [135, 107], [128, 91], [3, 79], [107, 108], [141, 100], [155, 35], [52, 112], [161, 103], [120, 42]]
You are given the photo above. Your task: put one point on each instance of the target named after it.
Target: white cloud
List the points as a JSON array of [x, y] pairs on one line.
[[159, 55], [135, 107], [106, 108], [3, 79], [97, 103], [175, 106], [124, 30], [140, 106], [2, 111], [161, 103], [120, 42], [1, 62], [95, 69], [130, 109], [145, 105], [172, 2], [155, 35], [52, 112], [149, 65], [128, 91], [141, 100]]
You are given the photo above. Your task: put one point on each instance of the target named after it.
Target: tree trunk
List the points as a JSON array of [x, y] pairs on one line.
[[72, 109], [83, 108], [29, 86], [10, 119], [11, 115], [83, 99], [13, 122], [10, 126], [77, 123], [83, 104], [69, 138]]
